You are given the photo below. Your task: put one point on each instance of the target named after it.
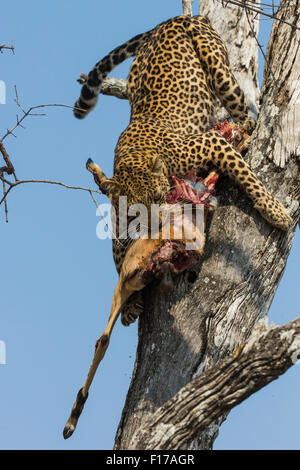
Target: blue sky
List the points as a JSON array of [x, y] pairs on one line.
[[57, 278]]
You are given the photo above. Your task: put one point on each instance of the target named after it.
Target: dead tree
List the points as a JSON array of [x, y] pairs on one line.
[[207, 346], [199, 352]]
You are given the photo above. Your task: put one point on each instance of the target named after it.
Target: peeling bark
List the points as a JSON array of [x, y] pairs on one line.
[[215, 307]]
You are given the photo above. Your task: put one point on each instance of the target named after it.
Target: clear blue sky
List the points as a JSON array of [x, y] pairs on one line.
[[57, 278]]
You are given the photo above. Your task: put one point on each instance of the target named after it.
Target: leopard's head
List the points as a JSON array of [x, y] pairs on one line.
[[142, 184]]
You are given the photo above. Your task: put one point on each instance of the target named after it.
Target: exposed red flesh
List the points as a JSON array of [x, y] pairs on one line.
[[172, 257], [174, 252], [185, 189], [233, 133], [170, 260]]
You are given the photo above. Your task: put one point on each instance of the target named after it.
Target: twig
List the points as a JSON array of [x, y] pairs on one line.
[[9, 168], [257, 41], [91, 194], [11, 47], [17, 183], [5, 202], [29, 113], [254, 35], [258, 10]]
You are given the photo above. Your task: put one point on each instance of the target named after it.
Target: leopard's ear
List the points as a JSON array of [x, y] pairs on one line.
[[158, 166], [111, 188]]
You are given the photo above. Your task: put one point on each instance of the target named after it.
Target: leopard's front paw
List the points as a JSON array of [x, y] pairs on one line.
[[274, 212]]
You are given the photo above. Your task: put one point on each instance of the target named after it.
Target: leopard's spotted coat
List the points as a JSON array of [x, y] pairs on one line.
[[180, 66]]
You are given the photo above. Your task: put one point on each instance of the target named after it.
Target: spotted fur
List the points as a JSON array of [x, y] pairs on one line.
[[179, 69]]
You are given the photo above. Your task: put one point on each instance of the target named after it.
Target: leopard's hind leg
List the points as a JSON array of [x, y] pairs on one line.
[[211, 150], [132, 309], [214, 58]]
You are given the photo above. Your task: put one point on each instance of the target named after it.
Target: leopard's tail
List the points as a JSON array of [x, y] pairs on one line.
[[92, 85]]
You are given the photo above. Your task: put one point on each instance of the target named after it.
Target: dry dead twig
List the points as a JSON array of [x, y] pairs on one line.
[[59, 183], [9, 168], [29, 113], [11, 47], [250, 7]]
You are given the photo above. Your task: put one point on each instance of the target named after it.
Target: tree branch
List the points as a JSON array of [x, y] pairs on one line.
[[187, 7], [266, 356], [11, 47], [110, 86], [115, 87], [9, 168], [29, 113], [18, 182]]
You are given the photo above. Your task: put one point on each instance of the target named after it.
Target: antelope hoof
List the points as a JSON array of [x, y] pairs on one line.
[[75, 413], [68, 430]]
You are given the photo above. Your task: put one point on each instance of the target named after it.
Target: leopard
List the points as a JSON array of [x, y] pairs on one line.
[[179, 69]]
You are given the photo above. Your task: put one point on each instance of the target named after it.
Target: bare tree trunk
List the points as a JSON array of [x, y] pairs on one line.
[[215, 307], [187, 7]]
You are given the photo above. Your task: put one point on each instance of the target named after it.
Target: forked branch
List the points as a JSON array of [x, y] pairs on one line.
[[29, 112], [8, 169], [267, 355], [249, 6], [11, 47]]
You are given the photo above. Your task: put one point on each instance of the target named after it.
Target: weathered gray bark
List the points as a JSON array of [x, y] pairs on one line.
[[215, 307], [115, 87], [268, 354], [187, 7]]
